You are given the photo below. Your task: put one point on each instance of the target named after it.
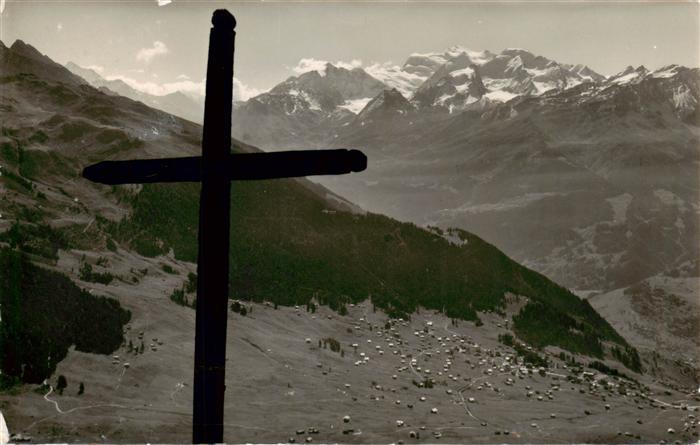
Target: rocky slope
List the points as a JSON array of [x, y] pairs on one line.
[[661, 316]]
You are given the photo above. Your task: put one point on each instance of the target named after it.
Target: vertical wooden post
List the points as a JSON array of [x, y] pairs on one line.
[[214, 221]]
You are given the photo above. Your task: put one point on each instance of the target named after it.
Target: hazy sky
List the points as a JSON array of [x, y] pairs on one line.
[[162, 48]]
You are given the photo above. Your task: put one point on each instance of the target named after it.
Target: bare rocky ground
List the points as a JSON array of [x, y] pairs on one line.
[[660, 316], [281, 386]]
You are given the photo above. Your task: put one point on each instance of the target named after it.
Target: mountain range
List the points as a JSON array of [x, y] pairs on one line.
[[176, 103], [295, 241], [105, 259], [589, 179], [448, 82]]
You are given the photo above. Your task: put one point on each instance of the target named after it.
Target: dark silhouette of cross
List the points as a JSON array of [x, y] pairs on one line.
[[216, 168]]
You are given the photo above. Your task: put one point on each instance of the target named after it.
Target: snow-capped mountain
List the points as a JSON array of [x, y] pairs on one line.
[[418, 68], [595, 185], [587, 74], [307, 108], [500, 142], [454, 85], [325, 90], [673, 86], [498, 77], [403, 79], [520, 72], [447, 81], [629, 75]]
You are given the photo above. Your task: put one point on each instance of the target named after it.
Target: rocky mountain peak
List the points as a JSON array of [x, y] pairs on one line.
[[628, 70], [423, 64], [387, 102], [515, 65], [516, 52], [629, 75], [86, 73], [587, 74], [24, 58], [26, 50]]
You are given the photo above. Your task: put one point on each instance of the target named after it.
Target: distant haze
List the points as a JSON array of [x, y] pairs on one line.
[[163, 49]]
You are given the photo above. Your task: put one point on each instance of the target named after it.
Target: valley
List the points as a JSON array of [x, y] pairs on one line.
[[482, 392], [348, 325]]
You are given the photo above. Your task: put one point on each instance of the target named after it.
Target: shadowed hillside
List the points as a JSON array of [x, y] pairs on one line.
[[43, 314]]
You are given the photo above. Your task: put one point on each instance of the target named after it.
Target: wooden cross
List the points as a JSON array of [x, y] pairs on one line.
[[215, 169]]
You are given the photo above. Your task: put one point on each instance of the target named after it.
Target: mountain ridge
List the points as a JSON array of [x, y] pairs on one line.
[[176, 103], [48, 141], [299, 121]]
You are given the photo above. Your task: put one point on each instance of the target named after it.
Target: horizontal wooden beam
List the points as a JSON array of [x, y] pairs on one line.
[[241, 166]]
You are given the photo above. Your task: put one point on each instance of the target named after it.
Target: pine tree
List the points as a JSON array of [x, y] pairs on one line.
[[61, 384], [81, 389]]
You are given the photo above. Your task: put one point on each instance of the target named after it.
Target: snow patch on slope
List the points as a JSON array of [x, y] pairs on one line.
[[668, 198], [500, 96], [463, 72], [355, 105], [543, 87], [310, 64], [395, 77], [683, 99], [619, 205], [627, 78], [666, 72]]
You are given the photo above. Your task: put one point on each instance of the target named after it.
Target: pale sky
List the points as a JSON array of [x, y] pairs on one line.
[[162, 48]]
